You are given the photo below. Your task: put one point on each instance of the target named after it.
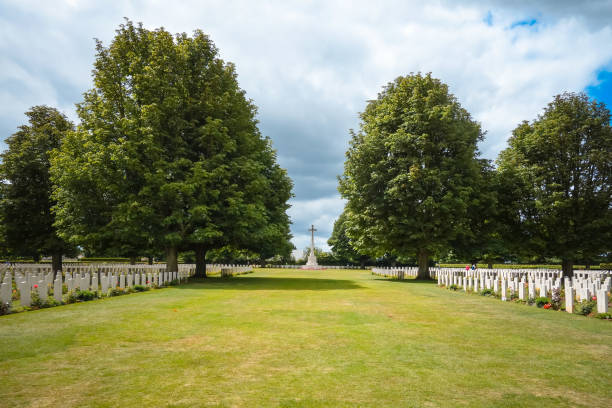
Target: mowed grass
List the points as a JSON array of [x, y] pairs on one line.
[[289, 338]]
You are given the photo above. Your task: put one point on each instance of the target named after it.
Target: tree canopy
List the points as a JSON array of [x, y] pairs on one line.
[[411, 171], [341, 245], [168, 154], [561, 167], [25, 206]]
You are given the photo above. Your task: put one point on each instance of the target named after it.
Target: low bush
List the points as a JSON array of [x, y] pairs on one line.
[[486, 292], [585, 307], [51, 302], [86, 295], [5, 308], [141, 288], [541, 301], [604, 316], [117, 292], [81, 296], [453, 287], [36, 302]]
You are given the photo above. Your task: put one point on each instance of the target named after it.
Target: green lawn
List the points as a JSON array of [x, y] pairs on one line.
[[304, 339]]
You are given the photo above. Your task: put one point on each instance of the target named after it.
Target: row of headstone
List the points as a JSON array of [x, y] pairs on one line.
[[320, 266], [230, 269], [506, 284], [398, 272], [28, 280], [32, 271], [236, 270]]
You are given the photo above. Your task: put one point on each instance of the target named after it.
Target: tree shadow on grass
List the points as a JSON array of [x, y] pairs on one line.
[[261, 283]]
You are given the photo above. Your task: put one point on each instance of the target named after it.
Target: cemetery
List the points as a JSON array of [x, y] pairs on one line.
[[154, 248], [546, 287]]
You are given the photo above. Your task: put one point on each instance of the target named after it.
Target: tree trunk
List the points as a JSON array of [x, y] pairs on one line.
[[132, 260], [200, 254], [587, 265], [567, 265], [423, 259], [56, 262], [362, 262], [150, 258], [171, 259], [490, 265]]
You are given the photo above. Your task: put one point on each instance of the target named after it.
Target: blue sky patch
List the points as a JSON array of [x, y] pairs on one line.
[[524, 23], [602, 90], [488, 19]]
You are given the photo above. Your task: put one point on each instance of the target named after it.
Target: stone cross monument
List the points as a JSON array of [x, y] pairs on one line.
[[312, 259]]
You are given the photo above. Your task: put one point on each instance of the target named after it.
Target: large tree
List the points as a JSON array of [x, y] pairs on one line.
[[562, 166], [411, 171], [25, 207], [168, 153]]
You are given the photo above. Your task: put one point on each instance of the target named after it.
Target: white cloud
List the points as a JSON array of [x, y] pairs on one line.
[[310, 67], [321, 213]]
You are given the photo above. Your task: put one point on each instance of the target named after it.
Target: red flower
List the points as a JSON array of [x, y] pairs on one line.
[[594, 298], [547, 306], [35, 286]]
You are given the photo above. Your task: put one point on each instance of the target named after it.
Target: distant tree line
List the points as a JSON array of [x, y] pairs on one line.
[[417, 189], [167, 160]]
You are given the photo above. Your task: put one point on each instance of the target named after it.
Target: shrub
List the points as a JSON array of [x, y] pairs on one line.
[[36, 302], [604, 316], [81, 296], [173, 282], [486, 292], [541, 301], [453, 287], [5, 308], [50, 302], [141, 288], [117, 292], [585, 307], [556, 299], [72, 298], [85, 295]]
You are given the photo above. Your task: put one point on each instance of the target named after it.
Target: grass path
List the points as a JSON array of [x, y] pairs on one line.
[[304, 339]]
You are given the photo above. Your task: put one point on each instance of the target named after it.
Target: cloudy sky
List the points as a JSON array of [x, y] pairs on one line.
[[310, 66]]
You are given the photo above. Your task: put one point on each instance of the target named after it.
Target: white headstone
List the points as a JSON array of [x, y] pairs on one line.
[[57, 287], [602, 301], [42, 290], [25, 297], [569, 299]]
